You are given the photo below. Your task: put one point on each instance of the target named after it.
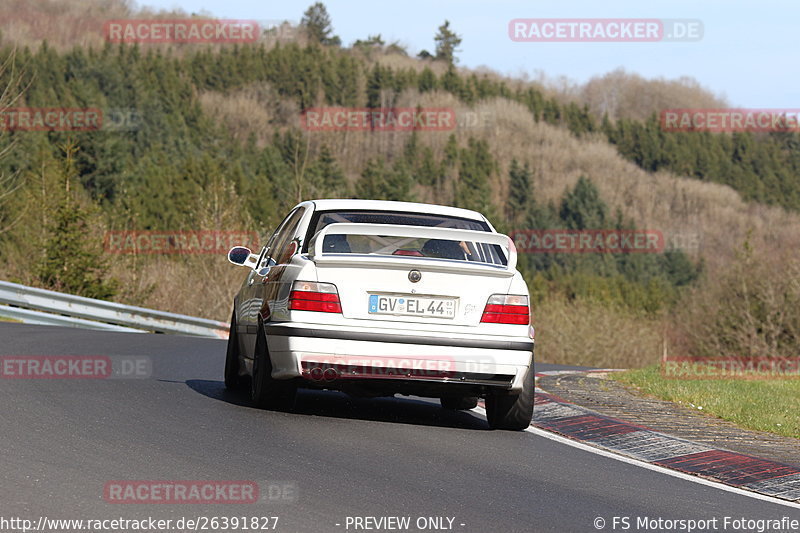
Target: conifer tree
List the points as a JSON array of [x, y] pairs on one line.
[[520, 196], [328, 180], [72, 262], [476, 166], [582, 208], [317, 23], [447, 42]]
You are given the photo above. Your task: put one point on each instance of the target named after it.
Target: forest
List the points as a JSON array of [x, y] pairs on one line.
[[212, 138]]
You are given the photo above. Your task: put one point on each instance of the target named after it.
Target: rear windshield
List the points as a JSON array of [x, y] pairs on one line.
[[404, 246]]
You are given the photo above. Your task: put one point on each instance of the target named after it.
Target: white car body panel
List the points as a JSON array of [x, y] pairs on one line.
[[472, 352]]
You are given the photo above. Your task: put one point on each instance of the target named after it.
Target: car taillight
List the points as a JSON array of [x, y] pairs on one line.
[[507, 309], [313, 296]]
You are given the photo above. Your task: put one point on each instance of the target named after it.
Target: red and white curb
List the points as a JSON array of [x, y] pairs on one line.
[[765, 477]]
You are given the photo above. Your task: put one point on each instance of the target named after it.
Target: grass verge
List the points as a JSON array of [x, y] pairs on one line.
[[760, 404]]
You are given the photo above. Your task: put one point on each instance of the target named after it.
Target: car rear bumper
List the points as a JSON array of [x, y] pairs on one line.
[[334, 357]]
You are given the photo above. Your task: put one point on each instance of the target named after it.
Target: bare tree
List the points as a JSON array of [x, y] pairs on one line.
[[9, 182]]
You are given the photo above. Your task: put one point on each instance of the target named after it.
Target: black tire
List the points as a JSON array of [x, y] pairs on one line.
[[232, 379], [459, 403], [512, 411], [265, 391]]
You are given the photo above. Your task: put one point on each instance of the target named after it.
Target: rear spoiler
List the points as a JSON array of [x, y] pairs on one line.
[[396, 230]]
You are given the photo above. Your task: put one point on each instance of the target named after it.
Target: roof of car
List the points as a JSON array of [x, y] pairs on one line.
[[386, 205]]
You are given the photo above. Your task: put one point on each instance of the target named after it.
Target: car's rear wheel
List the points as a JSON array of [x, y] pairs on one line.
[[232, 378], [265, 391], [459, 403], [512, 411]]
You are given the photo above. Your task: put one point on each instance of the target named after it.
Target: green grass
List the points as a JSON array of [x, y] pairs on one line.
[[758, 404], [7, 319]]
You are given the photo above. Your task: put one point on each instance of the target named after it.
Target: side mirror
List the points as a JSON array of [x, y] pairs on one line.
[[242, 256]]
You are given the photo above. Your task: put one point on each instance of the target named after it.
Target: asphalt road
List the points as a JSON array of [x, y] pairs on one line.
[[62, 441]]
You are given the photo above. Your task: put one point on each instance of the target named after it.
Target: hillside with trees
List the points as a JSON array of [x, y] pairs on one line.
[[215, 142]]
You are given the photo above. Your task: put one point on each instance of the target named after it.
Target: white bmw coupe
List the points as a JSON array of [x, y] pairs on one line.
[[379, 298]]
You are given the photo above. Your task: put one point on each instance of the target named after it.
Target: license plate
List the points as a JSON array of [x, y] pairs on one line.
[[380, 304]]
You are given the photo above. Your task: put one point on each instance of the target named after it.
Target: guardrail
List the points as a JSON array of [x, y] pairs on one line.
[[40, 306]]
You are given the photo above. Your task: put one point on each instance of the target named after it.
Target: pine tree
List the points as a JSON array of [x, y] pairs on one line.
[[476, 166], [520, 197], [379, 79], [582, 207], [451, 151], [379, 182], [451, 81], [401, 180], [72, 262], [447, 42], [411, 149], [427, 80], [317, 24], [430, 172], [372, 185], [327, 178], [294, 152]]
